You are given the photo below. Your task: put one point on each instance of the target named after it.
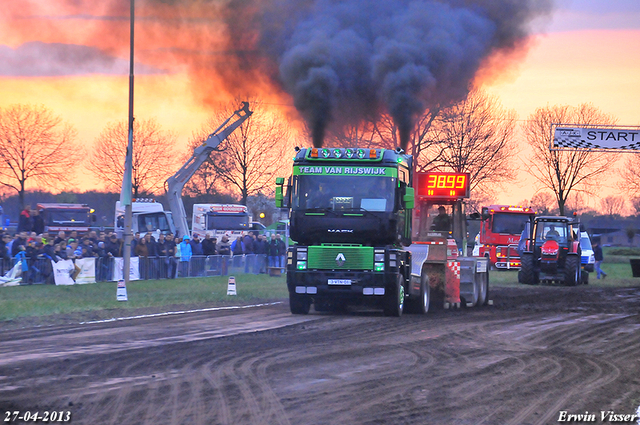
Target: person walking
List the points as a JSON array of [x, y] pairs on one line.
[[599, 257]]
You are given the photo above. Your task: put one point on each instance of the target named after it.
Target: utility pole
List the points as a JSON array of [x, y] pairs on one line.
[[125, 194]]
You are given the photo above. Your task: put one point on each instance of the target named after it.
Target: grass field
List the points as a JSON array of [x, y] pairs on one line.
[[46, 300]]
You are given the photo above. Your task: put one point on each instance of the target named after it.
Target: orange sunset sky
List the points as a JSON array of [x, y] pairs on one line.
[[586, 51]]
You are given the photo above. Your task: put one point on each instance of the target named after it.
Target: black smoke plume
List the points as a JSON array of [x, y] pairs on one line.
[[337, 57]]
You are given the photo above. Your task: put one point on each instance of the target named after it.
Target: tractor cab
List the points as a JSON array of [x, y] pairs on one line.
[[552, 252]]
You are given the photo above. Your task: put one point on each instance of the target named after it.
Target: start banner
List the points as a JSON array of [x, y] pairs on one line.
[[591, 138]]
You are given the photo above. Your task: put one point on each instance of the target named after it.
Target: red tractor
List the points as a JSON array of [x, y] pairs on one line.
[[552, 253]]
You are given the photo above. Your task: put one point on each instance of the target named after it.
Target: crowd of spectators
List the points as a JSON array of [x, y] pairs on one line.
[[30, 246]]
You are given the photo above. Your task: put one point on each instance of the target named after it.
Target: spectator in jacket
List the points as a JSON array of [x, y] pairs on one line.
[[60, 238], [19, 240], [248, 243], [170, 253], [282, 250], [185, 255], [114, 246], [141, 249], [25, 223], [21, 257], [208, 245], [142, 252], [237, 246], [224, 248], [72, 249], [152, 245], [272, 252], [37, 222], [196, 246]]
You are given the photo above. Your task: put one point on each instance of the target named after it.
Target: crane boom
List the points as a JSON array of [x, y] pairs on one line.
[[176, 183]]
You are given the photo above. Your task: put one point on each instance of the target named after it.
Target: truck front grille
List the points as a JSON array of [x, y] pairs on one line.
[[336, 257]]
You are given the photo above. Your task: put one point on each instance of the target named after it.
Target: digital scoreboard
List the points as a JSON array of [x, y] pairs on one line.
[[442, 185]]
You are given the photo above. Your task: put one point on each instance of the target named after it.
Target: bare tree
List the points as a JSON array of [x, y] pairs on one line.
[[248, 161], [542, 203], [564, 172], [154, 156], [630, 174], [612, 205], [635, 203], [475, 136], [36, 147]]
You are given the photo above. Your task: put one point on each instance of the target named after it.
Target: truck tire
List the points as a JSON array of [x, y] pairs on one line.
[[572, 270], [473, 300], [420, 303], [528, 274], [394, 299], [483, 293], [299, 304]]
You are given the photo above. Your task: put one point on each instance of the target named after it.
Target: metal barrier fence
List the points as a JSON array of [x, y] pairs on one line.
[[40, 270]]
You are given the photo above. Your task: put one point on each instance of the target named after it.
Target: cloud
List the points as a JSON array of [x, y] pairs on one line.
[[38, 59]]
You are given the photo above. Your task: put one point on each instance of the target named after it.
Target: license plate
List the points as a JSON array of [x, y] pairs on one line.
[[339, 281]]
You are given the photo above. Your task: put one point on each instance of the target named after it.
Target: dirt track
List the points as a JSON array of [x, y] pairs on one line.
[[536, 352]]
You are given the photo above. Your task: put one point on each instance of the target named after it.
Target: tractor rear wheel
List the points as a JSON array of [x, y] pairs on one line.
[[528, 274], [572, 270]]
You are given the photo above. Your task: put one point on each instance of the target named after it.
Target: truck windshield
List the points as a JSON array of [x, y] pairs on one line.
[[227, 222], [371, 193], [512, 224], [67, 216], [152, 221]]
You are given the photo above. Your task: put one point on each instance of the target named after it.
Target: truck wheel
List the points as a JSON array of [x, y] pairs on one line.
[[420, 304], [394, 300], [483, 293], [299, 304], [572, 270], [473, 301], [527, 275]]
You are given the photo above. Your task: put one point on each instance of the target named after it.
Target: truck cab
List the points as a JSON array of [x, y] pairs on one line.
[[148, 216], [218, 220], [350, 216], [66, 217], [500, 231]]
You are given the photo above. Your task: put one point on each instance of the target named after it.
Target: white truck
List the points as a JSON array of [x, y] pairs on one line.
[[148, 216], [219, 220], [176, 183], [151, 216]]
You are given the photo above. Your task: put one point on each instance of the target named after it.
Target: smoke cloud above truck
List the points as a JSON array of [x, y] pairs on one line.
[[358, 58]]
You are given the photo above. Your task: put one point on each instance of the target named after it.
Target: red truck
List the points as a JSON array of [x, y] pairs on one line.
[[499, 234]]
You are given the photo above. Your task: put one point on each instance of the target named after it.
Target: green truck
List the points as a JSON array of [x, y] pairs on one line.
[[351, 217]]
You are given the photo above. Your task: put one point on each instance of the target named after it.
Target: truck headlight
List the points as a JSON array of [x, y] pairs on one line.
[[379, 267], [302, 265], [379, 257], [302, 255]]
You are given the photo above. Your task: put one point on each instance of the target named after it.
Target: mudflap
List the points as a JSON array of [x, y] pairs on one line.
[[452, 283]]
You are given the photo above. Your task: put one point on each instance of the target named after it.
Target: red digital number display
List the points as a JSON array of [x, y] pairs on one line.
[[442, 185]]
